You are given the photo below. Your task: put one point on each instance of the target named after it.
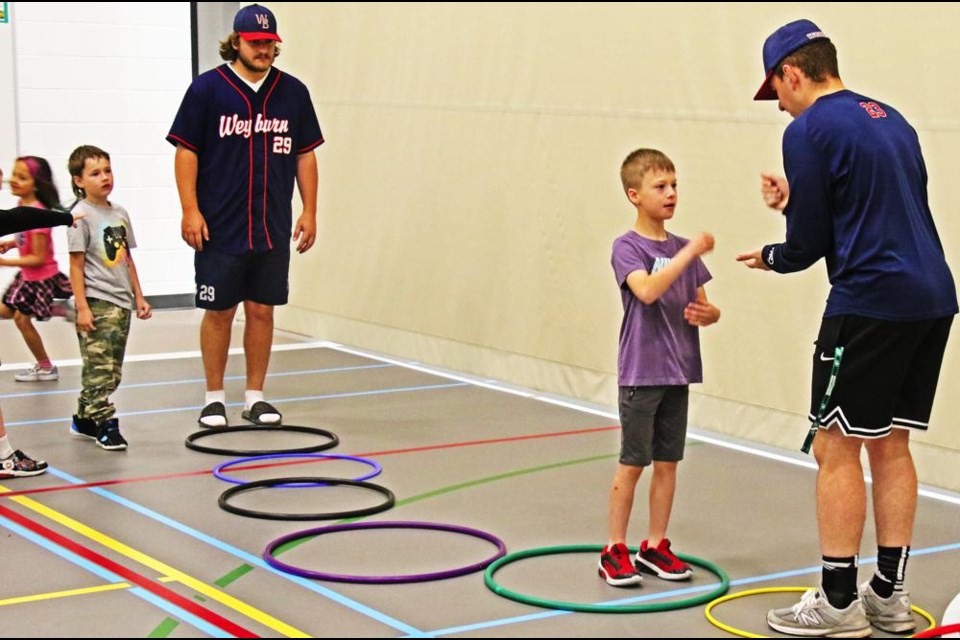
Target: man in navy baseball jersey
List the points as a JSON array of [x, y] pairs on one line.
[[244, 132], [855, 194]]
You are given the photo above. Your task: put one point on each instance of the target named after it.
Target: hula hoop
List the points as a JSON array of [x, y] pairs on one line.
[[415, 577], [938, 632], [193, 437], [311, 481], [752, 592], [600, 608], [218, 470]]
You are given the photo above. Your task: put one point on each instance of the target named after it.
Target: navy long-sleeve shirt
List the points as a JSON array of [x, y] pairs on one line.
[[858, 198]]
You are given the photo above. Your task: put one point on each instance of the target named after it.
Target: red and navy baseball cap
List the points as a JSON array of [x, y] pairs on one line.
[[782, 43], [255, 22]]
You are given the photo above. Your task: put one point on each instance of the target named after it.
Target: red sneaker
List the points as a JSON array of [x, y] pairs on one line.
[[661, 562], [615, 566]]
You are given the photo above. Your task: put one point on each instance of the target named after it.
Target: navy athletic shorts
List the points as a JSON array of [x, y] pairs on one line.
[[224, 280], [887, 377]]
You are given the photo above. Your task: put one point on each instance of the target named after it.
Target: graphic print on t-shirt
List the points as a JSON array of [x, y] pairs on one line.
[[658, 264], [114, 244]]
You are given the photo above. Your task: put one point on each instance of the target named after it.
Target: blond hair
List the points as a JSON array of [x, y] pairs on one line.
[[639, 162]]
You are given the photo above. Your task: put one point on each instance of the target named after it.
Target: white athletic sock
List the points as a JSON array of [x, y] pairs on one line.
[[5, 449], [251, 397], [209, 398]]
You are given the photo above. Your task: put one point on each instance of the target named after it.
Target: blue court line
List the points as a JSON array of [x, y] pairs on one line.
[[246, 557], [329, 396], [137, 385], [672, 593], [112, 578]]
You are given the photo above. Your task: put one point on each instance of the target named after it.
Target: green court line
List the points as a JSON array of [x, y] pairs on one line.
[[236, 574], [164, 629]]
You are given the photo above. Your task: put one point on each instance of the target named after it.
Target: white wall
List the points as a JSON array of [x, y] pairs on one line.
[[8, 108], [111, 75]]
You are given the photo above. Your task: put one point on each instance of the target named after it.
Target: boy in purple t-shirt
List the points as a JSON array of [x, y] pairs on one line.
[[661, 280]]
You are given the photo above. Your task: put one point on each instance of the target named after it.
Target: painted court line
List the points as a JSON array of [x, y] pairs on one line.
[[117, 569], [249, 558], [195, 381], [329, 396]]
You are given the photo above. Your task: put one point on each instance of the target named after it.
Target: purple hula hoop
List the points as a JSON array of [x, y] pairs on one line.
[[416, 577], [218, 470]]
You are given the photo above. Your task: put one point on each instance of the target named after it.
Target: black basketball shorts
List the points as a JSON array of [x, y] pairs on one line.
[[887, 377]]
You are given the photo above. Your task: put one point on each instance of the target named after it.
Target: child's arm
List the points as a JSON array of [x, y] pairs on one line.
[[84, 315], [40, 245], [648, 287], [144, 310], [701, 313]]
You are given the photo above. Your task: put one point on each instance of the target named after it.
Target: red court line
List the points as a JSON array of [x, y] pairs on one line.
[[390, 452], [129, 575]]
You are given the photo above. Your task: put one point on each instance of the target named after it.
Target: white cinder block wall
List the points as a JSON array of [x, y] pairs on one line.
[[111, 75]]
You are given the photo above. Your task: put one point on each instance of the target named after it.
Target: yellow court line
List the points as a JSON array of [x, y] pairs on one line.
[[66, 594], [73, 592], [160, 567]]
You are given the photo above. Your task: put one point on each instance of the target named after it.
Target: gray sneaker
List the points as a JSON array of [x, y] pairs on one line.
[[36, 373], [893, 614], [814, 616]]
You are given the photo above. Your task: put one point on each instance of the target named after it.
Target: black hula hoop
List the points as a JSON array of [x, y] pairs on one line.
[[193, 437], [333, 515]]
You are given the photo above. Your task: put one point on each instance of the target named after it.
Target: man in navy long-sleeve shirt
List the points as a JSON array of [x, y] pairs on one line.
[[856, 195]]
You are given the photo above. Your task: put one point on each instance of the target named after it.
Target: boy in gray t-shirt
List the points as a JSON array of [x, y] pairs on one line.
[[661, 280], [106, 289]]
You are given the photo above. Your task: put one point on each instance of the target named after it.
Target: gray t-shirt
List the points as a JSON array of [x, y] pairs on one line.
[[105, 236], [657, 345]]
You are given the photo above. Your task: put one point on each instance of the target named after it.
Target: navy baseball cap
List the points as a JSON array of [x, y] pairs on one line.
[[255, 22], [782, 43]]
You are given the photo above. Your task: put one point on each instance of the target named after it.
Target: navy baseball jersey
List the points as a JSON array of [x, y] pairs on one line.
[[858, 198], [247, 143]]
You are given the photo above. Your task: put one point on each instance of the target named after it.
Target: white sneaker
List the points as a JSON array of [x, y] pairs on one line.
[[36, 373], [893, 614], [814, 616]]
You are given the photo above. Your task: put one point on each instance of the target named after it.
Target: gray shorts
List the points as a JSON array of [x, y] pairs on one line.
[[654, 421]]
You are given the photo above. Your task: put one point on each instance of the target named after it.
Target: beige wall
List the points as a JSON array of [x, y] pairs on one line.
[[470, 192]]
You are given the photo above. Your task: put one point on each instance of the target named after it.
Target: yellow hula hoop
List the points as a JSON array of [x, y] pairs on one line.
[[753, 592]]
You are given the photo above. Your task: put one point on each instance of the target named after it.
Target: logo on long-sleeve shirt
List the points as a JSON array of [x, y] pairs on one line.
[[873, 110]]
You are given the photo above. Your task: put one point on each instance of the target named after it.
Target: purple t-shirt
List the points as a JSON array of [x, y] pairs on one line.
[[657, 345]]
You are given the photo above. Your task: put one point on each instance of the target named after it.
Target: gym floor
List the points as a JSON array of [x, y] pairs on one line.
[[134, 544]]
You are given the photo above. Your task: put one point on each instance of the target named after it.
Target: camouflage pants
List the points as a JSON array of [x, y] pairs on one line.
[[102, 351]]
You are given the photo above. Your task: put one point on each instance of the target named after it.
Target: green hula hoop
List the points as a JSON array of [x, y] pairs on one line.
[[600, 608]]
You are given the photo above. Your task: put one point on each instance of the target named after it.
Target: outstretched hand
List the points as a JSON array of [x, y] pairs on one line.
[[753, 260]]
